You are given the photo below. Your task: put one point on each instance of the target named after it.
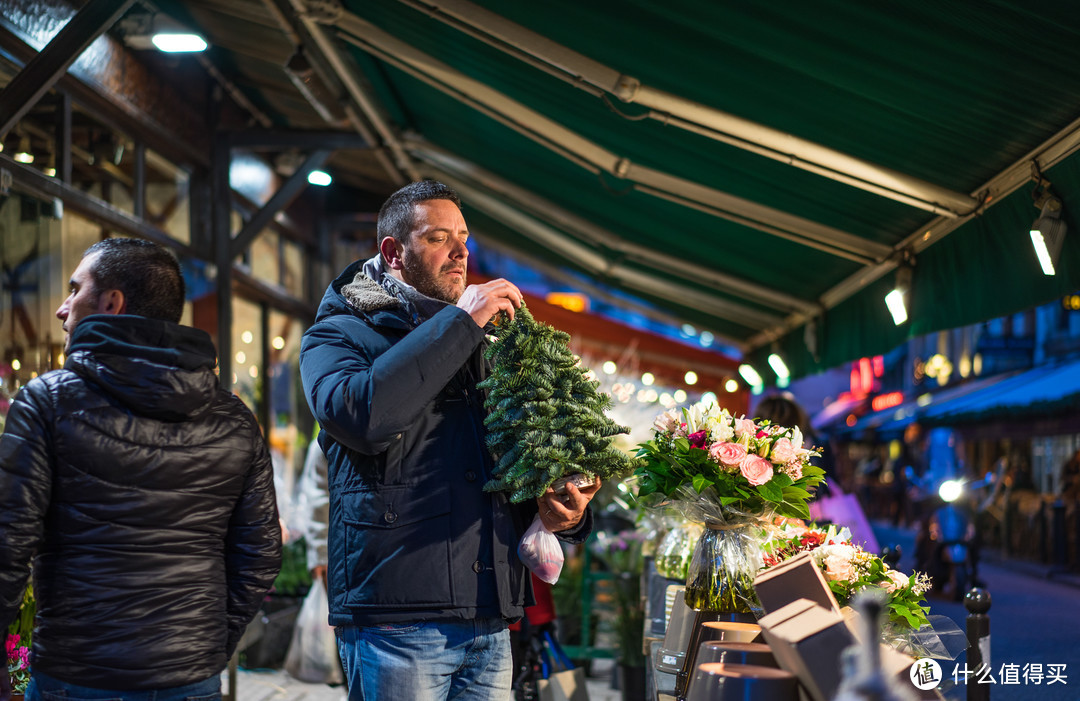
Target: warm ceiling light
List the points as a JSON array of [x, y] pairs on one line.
[[690, 377], [679, 396], [23, 155], [731, 385], [278, 343], [241, 358], [1047, 235], [647, 379], [247, 337], [609, 367], [179, 43]]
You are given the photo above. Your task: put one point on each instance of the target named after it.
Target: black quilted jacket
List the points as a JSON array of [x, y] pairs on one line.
[[144, 493]]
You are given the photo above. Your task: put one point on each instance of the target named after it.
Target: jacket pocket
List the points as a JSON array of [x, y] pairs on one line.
[[397, 550]]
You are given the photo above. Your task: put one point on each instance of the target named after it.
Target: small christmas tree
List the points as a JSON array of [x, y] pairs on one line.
[[545, 417]]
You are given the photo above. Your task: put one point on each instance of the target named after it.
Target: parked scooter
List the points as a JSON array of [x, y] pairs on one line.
[[947, 547]]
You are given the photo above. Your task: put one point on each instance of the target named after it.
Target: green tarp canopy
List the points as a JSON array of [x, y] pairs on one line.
[[759, 170]]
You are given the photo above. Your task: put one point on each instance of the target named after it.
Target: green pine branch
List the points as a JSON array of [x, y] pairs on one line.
[[545, 417]]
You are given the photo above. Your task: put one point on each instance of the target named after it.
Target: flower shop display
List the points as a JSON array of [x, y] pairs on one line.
[[622, 555], [848, 570], [545, 416], [675, 549], [733, 475]]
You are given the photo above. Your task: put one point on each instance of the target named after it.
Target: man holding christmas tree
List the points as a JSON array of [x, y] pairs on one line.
[[423, 571]]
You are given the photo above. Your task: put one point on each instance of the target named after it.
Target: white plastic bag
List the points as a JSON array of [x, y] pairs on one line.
[[313, 653], [539, 550]]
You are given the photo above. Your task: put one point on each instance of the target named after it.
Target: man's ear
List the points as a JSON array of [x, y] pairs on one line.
[[391, 253], [112, 302]]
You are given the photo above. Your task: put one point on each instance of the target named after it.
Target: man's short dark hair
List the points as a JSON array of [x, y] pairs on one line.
[[397, 214], [148, 275]]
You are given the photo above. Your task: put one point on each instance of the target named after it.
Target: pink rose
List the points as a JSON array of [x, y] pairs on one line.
[[782, 451], [745, 427], [731, 454], [757, 471], [839, 562], [897, 580]]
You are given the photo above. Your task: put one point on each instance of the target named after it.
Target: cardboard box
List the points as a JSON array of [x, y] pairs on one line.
[[808, 640], [797, 578]]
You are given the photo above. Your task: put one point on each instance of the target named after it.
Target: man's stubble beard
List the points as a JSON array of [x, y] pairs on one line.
[[433, 286]]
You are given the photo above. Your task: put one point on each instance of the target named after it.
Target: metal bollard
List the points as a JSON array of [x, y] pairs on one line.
[[1044, 550], [1060, 548], [977, 602]]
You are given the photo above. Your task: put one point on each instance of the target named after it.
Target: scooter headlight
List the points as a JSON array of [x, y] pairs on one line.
[[951, 490]]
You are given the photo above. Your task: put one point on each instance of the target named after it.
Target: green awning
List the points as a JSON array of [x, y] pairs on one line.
[[949, 101]]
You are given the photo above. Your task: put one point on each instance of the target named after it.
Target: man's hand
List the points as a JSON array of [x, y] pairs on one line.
[[485, 301], [318, 576], [560, 512]]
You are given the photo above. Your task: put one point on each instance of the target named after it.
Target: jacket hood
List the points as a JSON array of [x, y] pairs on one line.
[[364, 287], [155, 368]]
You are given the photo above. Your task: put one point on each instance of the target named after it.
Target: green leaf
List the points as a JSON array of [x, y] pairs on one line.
[[701, 483], [781, 479], [771, 492]]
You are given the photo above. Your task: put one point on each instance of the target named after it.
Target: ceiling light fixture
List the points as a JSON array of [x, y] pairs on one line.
[[320, 178], [750, 375], [899, 299], [1048, 235], [23, 155]]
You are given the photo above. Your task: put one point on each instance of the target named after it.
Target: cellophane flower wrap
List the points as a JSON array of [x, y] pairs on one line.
[[733, 475], [848, 570]]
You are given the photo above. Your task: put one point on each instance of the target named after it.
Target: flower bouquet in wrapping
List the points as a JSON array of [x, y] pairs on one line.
[[848, 570], [733, 475]]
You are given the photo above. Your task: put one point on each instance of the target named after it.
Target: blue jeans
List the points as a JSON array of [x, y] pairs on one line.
[[46, 688], [432, 661]]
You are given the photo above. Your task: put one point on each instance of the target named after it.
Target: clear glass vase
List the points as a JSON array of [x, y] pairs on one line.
[[721, 574]]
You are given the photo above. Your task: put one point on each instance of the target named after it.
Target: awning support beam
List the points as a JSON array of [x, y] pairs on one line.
[[40, 74]]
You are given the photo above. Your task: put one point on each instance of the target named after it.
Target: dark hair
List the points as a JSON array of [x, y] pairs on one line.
[[148, 275], [396, 214], [784, 411]]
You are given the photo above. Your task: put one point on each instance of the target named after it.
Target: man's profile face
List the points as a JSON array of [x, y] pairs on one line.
[[83, 299], [433, 260]]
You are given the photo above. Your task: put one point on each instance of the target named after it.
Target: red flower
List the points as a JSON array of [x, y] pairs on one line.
[[697, 440]]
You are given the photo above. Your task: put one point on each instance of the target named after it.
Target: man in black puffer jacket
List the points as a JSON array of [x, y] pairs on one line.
[[142, 490]]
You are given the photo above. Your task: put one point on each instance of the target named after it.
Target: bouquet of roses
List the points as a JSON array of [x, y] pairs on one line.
[[848, 569], [732, 463], [733, 475]]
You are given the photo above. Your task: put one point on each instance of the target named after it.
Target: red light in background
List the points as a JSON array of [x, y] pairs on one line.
[[878, 361], [850, 420], [884, 401]]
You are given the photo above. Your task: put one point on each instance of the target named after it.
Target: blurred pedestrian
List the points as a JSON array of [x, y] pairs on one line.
[[141, 489]]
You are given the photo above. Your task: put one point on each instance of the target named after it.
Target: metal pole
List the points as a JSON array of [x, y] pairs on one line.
[[1060, 548], [977, 602]]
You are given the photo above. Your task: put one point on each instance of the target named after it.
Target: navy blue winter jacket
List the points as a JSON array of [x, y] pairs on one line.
[[392, 380]]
